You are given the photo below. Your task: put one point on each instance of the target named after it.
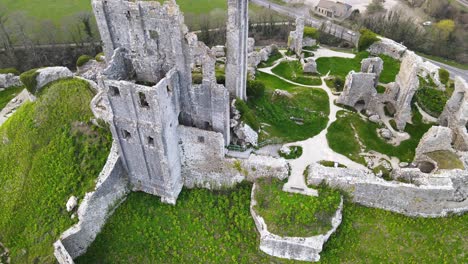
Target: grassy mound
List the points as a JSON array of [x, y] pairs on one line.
[[204, 227], [446, 160], [292, 70], [341, 137], [301, 116], [49, 152], [295, 215], [8, 94]]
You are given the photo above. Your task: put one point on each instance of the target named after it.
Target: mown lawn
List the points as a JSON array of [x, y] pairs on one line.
[[292, 70], [302, 116], [216, 227], [341, 137], [340, 67], [204, 227], [8, 94], [295, 215], [48, 152]]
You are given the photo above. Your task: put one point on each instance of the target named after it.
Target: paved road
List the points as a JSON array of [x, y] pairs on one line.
[[334, 29], [463, 2], [453, 70]]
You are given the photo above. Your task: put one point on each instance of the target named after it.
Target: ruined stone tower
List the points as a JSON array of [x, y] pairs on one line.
[[236, 43], [148, 84]]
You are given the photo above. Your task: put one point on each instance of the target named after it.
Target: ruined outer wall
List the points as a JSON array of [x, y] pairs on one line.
[[154, 36], [434, 197], [204, 164], [236, 44], [111, 188], [145, 121]]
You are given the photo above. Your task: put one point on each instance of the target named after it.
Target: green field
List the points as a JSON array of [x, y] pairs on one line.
[[49, 151], [216, 227], [292, 70]]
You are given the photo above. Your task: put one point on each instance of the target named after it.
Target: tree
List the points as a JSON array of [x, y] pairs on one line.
[[376, 6]]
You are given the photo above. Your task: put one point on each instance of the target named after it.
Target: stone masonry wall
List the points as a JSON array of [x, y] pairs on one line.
[[111, 189]]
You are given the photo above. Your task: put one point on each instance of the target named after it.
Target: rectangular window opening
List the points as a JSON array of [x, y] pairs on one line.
[[151, 141], [143, 102]]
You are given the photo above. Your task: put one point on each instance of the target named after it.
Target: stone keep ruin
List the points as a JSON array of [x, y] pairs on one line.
[[149, 86]]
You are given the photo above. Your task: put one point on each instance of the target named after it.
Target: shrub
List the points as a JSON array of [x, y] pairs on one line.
[[10, 70], [444, 76], [367, 39], [431, 100], [255, 89], [197, 78], [99, 57], [310, 32], [338, 83], [246, 115], [29, 80], [82, 60]]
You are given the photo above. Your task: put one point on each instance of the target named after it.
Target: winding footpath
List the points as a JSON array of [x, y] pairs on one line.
[[316, 148]]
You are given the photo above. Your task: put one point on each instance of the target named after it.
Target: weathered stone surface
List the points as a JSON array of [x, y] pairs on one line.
[[297, 248], [309, 42], [250, 45], [429, 70], [375, 119], [246, 135], [296, 37], [256, 57], [358, 90], [282, 93], [372, 65], [236, 43], [455, 114], [9, 80], [72, 203], [436, 139], [386, 133], [14, 104], [91, 70], [309, 66], [50, 74], [408, 83], [219, 51], [430, 196], [388, 47]]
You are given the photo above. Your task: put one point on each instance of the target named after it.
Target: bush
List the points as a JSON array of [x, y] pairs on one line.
[[338, 83], [431, 100], [255, 89], [10, 70], [29, 80], [310, 32], [99, 57], [444, 76], [82, 60], [247, 115], [367, 39]]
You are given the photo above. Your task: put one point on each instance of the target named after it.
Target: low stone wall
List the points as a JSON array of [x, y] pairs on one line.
[[297, 248], [111, 190], [9, 80], [431, 195], [204, 164], [388, 47]]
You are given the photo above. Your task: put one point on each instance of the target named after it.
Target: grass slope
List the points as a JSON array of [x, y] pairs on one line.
[[307, 104], [216, 227], [295, 215], [341, 137], [46, 156], [204, 227], [8, 94]]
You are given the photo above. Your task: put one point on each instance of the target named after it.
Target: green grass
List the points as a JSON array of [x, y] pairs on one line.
[[431, 100], [329, 163], [204, 227], [216, 227], [29, 80], [48, 152], [446, 160], [271, 60], [295, 152], [82, 60], [369, 235], [295, 215], [341, 137], [390, 70], [8, 94], [339, 66], [309, 105], [292, 70], [10, 70]]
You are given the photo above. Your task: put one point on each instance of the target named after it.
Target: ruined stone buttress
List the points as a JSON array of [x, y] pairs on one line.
[[236, 43]]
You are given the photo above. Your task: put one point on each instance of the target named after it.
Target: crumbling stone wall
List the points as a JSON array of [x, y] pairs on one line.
[[388, 47], [111, 189], [358, 90], [455, 114], [237, 45], [9, 80], [431, 195], [296, 37]]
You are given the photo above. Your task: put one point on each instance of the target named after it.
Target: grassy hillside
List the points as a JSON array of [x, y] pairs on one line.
[[48, 152], [216, 227]]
